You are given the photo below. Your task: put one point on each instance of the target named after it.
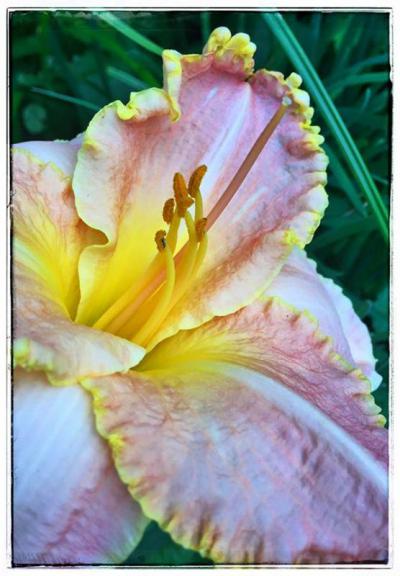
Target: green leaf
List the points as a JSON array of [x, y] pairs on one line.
[[35, 117], [66, 98], [367, 78], [126, 78], [130, 33], [344, 230], [346, 183], [27, 48], [331, 115], [158, 549], [380, 313], [205, 26], [362, 65]]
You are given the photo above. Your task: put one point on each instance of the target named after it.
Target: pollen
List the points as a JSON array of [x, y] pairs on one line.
[[182, 198], [160, 240], [168, 210], [195, 180]]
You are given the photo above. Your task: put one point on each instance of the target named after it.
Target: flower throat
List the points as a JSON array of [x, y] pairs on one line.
[[140, 311]]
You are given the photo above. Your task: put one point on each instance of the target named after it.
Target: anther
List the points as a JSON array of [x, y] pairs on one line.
[[160, 240], [201, 228], [168, 210], [195, 180], [183, 200]]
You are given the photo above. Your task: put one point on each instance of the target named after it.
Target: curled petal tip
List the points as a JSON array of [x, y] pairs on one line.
[[294, 80], [218, 38], [228, 48]]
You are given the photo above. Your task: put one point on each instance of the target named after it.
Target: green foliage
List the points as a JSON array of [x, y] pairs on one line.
[[330, 113], [158, 549], [67, 64]]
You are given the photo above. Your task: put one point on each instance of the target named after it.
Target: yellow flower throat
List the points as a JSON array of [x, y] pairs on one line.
[[140, 311]]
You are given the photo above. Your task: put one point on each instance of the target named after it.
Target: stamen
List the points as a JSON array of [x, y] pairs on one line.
[[163, 301], [167, 277], [123, 309], [115, 316], [194, 190], [118, 314], [183, 276], [172, 235], [185, 266], [201, 253]]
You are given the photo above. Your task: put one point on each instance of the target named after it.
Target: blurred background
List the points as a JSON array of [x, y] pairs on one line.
[[65, 65]]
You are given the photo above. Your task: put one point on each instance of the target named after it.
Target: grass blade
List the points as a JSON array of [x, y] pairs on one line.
[[357, 80], [126, 78], [331, 116], [66, 98], [130, 33], [355, 227], [205, 26], [376, 59], [346, 183]]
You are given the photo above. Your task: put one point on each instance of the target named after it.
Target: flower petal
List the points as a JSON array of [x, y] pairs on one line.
[[69, 506], [48, 239], [284, 344], [300, 285], [45, 340], [48, 234], [130, 153], [356, 333], [61, 153], [240, 467]]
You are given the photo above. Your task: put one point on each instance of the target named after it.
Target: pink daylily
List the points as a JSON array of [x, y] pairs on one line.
[[230, 382]]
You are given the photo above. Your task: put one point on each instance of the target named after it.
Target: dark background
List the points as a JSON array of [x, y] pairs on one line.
[[65, 65]]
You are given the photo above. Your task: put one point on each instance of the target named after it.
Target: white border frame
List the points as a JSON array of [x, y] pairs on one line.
[[338, 5]]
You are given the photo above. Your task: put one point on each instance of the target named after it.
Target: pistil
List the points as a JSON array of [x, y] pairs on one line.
[[248, 163]]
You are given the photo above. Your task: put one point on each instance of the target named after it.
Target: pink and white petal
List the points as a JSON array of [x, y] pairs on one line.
[[241, 467], [46, 339], [48, 233], [129, 155], [286, 345], [356, 333], [61, 153], [48, 239], [300, 285], [69, 505]]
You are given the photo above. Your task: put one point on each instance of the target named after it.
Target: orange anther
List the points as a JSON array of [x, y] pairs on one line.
[[195, 180], [160, 240], [168, 210], [183, 200]]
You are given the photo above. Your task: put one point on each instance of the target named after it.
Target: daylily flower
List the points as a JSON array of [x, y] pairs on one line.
[[230, 382]]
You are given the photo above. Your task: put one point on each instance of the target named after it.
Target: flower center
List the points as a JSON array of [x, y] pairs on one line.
[[140, 311]]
